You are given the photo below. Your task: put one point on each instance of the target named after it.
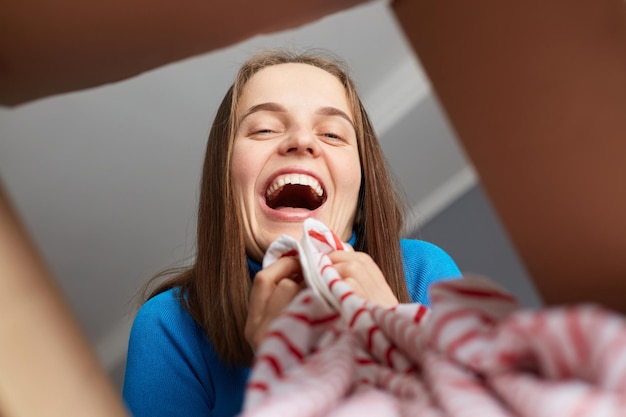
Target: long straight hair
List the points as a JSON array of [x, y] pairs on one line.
[[215, 289]]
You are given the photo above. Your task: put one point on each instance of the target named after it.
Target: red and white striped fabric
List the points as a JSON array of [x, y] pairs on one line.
[[475, 353]]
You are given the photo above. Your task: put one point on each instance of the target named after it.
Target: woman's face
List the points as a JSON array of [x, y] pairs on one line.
[[295, 155]]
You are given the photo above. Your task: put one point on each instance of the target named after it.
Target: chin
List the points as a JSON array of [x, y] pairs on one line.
[[293, 229]]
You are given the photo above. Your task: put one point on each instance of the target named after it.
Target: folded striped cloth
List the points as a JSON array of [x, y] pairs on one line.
[[475, 353]]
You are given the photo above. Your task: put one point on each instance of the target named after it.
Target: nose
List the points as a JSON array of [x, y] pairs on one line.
[[301, 141]]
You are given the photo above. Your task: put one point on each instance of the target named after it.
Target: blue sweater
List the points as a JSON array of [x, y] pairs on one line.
[[173, 370]]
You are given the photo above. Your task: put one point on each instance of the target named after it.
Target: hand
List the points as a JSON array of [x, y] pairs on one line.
[[273, 288], [360, 271]]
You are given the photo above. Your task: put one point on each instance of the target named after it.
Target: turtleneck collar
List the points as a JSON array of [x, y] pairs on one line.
[[255, 266]]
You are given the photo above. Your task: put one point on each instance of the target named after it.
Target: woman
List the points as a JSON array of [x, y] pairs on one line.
[[290, 140]]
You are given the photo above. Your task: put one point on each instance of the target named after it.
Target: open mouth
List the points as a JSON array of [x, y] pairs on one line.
[[295, 191]]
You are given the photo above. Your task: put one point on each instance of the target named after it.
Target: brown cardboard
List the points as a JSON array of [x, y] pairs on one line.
[[536, 91]]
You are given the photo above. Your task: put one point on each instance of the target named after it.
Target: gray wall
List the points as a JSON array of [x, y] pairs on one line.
[[471, 233]]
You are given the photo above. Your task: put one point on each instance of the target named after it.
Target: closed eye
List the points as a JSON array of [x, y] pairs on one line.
[[262, 132], [332, 136]]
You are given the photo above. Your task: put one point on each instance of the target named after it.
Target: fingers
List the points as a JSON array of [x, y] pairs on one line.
[[273, 289], [352, 264], [277, 285], [285, 291], [266, 280], [367, 281]]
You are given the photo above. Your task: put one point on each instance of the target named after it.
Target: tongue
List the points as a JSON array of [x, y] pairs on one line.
[[294, 196]]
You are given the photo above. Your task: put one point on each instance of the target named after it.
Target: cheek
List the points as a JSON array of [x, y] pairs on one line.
[[243, 170], [352, 175], [348, 182]]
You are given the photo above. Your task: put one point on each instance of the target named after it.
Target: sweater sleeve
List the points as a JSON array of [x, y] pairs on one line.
[[172, 368], [425, 264]]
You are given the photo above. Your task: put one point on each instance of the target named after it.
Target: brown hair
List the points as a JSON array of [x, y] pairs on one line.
[[215, 288]]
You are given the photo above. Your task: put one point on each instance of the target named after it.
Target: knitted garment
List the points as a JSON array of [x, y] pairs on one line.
[[476, 353], [172, 367]]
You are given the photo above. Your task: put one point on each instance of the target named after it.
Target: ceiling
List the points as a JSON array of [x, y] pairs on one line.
[[106, 179]]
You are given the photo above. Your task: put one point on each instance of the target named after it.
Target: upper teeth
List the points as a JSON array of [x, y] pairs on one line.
[[296, 179]]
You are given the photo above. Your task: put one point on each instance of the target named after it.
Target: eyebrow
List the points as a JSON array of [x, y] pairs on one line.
[[275, 107], [333, 111]]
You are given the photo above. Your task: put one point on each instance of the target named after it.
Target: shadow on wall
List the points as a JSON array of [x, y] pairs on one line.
[[471, 233]]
